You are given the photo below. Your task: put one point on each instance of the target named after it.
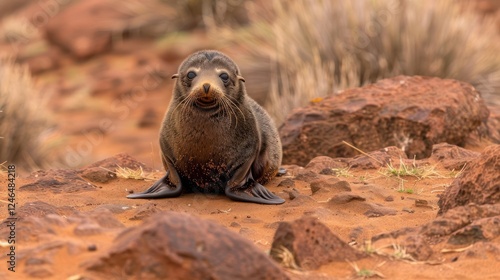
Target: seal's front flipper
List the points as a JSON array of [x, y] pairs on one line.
[[160, 189], [255, 192]]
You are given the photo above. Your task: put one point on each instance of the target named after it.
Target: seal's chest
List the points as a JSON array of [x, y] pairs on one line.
[[207, 175]]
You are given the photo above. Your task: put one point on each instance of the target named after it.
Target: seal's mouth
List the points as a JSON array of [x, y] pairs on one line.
[[206, 102]]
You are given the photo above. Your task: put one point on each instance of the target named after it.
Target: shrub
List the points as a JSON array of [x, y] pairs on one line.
[[321, 47], [23, 118]]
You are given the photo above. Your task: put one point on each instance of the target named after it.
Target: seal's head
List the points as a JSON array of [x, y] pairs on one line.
[[209, 80]]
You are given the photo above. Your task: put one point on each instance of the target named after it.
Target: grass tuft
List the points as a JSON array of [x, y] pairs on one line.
[[285, 258], [366, 273], [24, 119], [135, 174]]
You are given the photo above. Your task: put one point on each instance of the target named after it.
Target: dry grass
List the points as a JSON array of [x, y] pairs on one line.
[[365, 273], [135, 174], [285, 258], [319, 47], [24, 119]]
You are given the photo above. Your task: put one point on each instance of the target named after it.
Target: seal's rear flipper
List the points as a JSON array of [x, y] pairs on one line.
[[256, 193], [160, 189]]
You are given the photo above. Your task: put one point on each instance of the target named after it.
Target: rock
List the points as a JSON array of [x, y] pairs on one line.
[[391, 112], [418, 248], [375, 210], [451, 156], [144, 211], [34, 225], [287, 182], [460, 226], [307, 176], [378, 159], [97, 175], [41, 258], [120, 160], [311, 243], [235, 225], [330, 184], [174, 245], [41, 209], [57, 181], [466, 224], [479, 230], [343, 198], [479, 183], [321, 163]]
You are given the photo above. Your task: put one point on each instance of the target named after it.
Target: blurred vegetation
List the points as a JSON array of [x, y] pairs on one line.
[[24, 120], [315, 48]]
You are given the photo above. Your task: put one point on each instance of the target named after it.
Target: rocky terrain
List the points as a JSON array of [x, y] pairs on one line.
[[343, 218], [376, 214]]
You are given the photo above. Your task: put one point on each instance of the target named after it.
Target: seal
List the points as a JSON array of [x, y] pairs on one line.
[[215, 138]]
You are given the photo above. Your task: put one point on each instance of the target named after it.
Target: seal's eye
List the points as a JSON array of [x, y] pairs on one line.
[[191, 75], [224, 77]]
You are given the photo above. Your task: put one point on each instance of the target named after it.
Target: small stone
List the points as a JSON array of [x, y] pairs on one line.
[[409, 210], [144, 211], [92, 248], [389, 198], [307, 176], [421, 203], [247, 232], [235, 225], [293, 193], [288, 183], [343, 198]]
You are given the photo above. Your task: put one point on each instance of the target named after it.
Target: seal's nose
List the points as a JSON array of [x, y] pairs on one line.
[[206, 87]]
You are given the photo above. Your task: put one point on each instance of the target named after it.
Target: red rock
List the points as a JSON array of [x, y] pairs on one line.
[[144, 211], [120, 160], [307, 176], [287, 183], [311, 243], [321, 163], [451, 156], [97, 174], [460, 227], [331, 184], [174, 245], [391, 112], [377, 159], [345, 197], [57, 181], [479, 183], [375, 210]]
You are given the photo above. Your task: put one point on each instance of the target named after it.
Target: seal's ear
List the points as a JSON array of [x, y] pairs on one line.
[[175, 76], [240, 78]]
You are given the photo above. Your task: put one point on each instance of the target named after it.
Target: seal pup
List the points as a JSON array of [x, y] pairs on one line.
[[214, 137]]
